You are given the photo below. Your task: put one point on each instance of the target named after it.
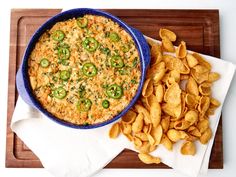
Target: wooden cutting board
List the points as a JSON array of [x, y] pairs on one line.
[[199, 28]]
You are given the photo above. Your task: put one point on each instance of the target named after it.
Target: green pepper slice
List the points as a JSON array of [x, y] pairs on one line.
[[89, 69], [90, 44], [105, 104], [114, 91], [84, 104], [63, 53], [116, 61], [64, 75], [82, 22], [44, 63], [105, 50], [65, 62], [114, 37], [59, 93], [58, 35], [125, 48]]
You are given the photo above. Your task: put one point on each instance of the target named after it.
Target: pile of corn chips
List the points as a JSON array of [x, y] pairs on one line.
[[175, 103]]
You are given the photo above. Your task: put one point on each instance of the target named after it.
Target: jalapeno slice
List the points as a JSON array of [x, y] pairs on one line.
[[105, 50], [59, 93], [89, 69], [58, 35], [84, 104], [63, 53], [64, 75], [90, 44], [44, 63], [105, 104], [114, 91], [117, 61], [125, 48], [82, 22], [114, 37]]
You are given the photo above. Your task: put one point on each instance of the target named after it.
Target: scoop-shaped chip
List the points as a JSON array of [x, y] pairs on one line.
[[149, 159], [156, 133], [145, 102], [183, 135], [158, 76], [204, 104], [167, 33], [173, 94], [125, 128], [206, 136], [156, 52], [166, 142], [145, 148], [137, 142], [213, 76], [191, 100], [191, 117], [173, 63], [165, 123], [174, 111], [188, 148], [150, 139], [174, 135], [167, 45], [155, 111], [129, 117], [203, 125], [146, 114], [194, 131], [181, 50], [202, 61], [215, 102], [151, 72], [192, 87], [175, 75], [192, 61], [205, 88], [200, 73], [147, 88], [181, 125], [114, 131], [129, 137], [137, 126], [159, 92], [142, 136]]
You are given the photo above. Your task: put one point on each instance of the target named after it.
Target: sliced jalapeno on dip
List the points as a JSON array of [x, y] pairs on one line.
[[44, 63], [114, 91], [64, 75], [125, 48], [117, 61], [84, 104], [82, 22], [59, 93], [63, 53], [58, 35], [89, 69], [90, 44], [105, 104], [105, 50], [114, 37]]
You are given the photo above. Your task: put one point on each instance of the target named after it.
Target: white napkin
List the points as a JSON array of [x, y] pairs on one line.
[[67, 152]]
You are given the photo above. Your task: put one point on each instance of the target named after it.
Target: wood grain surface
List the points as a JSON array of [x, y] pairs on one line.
[[199, 28]]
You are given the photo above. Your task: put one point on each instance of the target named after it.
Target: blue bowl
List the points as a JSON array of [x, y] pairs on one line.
[[22, 78]]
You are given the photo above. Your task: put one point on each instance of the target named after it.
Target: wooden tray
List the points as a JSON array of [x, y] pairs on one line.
[[199, 28]]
